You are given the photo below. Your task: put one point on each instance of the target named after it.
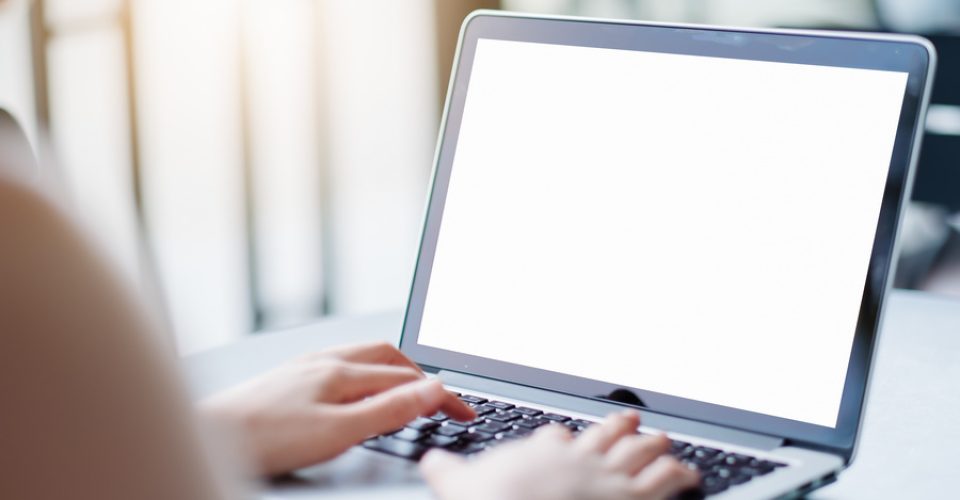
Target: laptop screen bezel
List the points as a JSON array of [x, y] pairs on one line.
[[829, 49]]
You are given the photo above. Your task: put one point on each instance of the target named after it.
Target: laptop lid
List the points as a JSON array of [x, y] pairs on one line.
[[702, 217]]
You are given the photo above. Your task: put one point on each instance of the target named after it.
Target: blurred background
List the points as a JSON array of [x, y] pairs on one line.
[[268, 160]]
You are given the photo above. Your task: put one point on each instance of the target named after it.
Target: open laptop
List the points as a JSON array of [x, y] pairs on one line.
[[696, 222]]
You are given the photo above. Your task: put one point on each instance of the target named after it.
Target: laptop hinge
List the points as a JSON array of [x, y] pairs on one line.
[[600, 408]]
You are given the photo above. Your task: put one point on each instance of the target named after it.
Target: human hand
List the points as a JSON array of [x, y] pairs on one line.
[[316, 407], [608, 461]]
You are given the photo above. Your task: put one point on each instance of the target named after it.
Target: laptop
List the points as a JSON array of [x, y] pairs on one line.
[[695, 222]]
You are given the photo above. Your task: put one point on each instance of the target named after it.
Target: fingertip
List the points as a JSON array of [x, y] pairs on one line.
[[553, 431], [661, 440], [457, 409], [632, 416], [433, 396], [462, 413], [687, 476], [625, 421], [666, 477], [693, 477]]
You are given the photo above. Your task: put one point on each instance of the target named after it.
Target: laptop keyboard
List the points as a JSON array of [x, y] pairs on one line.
[[498, 422]]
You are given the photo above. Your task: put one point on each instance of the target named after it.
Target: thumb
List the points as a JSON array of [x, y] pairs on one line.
[[438, 464], [392, 409], [438, 468]]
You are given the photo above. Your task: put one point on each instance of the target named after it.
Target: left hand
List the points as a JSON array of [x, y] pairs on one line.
[[316, 407]]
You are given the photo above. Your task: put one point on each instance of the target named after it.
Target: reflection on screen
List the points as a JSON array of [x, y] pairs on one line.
[[689, 225]]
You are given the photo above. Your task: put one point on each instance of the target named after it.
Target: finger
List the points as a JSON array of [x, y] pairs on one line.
[[599, 438], [553, 432], [456, 409], [438, 463], [381, 353], [632, 453], [397, 406], [664, 478], [439, 470], [354, 381]]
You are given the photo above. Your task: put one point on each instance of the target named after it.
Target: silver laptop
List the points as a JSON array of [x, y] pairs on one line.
[[696, 222]]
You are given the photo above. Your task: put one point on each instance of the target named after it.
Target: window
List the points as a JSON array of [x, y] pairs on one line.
[[267, 159]]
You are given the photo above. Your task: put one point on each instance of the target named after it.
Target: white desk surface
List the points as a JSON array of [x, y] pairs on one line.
[[912, 425]]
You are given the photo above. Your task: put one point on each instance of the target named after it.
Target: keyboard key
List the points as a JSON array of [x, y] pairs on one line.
[[704, 451], [476, 437], [554, 417], [763, 466], [712, 485], [718, 461], [520, 431], [474, 448], [408, 435], [582, 423], [517, 433], [531, 423], [450, 430], [697, 466], [439, 417], [527, 412], [396, 447], [740, 479], [500, 405], [423, 424], [466, 398], [471, 423], [706, 458], [722, 472], [750, 471], [466, 447], [505, 416], [484, 409], [736, 460], [491, 427], [439, 441]]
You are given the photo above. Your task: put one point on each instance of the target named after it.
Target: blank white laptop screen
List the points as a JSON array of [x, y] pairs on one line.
[[694, 226]]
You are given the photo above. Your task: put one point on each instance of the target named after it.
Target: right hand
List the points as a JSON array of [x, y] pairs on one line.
[[608, 461], [316, 407]]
